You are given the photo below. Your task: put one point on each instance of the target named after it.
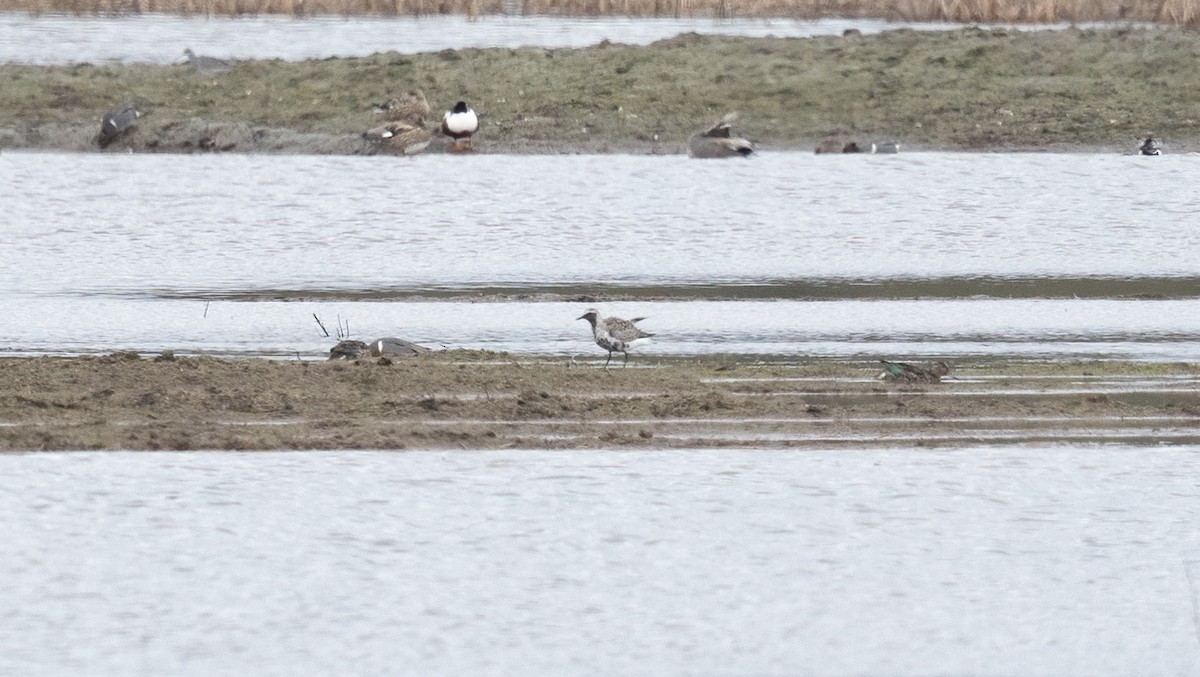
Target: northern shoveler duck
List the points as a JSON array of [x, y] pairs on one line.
[[459, 124], [912, 373], [718, 141], [410, 107], [1149, 147], [885, 147], [116, 123], [851, 147], [829, 146], [614, 334], [207, 65], [406, 138]]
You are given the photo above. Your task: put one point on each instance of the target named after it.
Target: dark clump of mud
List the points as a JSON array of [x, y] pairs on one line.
[[457, 399], [960, 89]]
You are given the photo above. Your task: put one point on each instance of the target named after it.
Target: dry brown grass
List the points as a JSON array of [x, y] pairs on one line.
[[1174, 12]]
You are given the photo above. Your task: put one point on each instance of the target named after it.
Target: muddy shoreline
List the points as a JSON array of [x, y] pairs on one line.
[[958, 90], [471, 400]]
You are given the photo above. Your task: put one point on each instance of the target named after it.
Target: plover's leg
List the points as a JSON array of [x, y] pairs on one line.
[[608, 360], [626, 358]]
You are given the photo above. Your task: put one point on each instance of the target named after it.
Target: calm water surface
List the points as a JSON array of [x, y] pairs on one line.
[[1029, 561], [201, 253], [59, 39]]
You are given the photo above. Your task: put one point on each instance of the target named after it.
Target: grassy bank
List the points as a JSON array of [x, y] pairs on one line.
[[956, 90], [479, 401]]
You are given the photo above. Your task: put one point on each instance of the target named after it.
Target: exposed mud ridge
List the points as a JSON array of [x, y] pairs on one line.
[[470, 400], [968, 89]]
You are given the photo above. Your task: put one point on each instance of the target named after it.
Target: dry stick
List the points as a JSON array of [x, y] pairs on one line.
[[206, 308], [321, 324]]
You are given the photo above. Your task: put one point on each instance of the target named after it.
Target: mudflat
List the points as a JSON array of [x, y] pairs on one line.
[[471, 400], [968, 89]]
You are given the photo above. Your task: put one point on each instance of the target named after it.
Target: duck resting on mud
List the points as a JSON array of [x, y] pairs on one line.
[[912, 373], [718, 142]]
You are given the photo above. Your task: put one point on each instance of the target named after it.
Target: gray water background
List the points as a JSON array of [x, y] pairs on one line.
[[234, 254], [50, 39], [1032, 561]]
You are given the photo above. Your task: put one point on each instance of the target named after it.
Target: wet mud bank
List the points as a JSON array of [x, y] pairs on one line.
[[966, 89], [468, 400]]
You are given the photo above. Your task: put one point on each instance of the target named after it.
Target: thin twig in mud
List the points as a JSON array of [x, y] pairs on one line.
[[342, 335], [206, 308], [321, 325], [1187, 571]]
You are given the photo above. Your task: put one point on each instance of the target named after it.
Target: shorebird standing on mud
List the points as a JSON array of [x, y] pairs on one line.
[[459, 124], [614, 334]]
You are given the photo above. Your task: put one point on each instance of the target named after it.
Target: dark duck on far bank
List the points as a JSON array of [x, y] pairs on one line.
[[1149, 147], [117, 123]]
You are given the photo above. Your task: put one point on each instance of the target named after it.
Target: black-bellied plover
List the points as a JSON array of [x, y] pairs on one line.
[[116, 122], [718, 142], [912, 373], [1149, 147], [207, 65], [459, 124], [614, 334]]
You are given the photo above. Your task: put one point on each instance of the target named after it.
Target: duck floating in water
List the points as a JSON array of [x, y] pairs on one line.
[[885, 147], [460, 123], [116, 123], [614, 334], [718, 141], [1149, 147], [912, 373], [207, 65]]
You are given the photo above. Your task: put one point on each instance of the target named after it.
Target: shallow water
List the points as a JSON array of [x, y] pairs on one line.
[[157, 38], [790, 253], [1031, 561]]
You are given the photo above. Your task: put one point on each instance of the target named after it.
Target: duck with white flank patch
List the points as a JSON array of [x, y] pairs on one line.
[[207, 65], [614, 334], [459, 124], [116, 123], [1149, 147], [912, 373], [718, 142], [407, 138]]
